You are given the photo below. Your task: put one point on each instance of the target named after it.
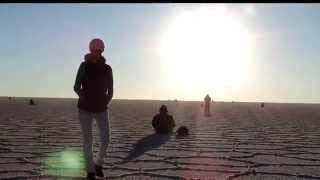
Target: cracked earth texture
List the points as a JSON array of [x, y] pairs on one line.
[[239, 141]]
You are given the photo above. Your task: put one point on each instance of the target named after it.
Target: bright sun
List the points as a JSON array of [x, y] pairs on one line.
[[206, 49]]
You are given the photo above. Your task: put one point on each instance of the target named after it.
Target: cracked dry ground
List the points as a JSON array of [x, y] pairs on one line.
[[239, 141]]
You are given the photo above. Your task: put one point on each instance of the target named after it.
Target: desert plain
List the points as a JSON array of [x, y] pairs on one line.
[[239, 141]]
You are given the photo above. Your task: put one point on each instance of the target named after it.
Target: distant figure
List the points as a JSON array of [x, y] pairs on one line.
[[94, 86], [207, 101], [183, 131], [163, 123], [31, 102], [262, 105]]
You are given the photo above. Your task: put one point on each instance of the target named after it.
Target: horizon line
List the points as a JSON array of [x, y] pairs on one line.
[[141, 99]]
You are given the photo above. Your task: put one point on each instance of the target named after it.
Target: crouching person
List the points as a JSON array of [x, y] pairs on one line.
[[163, 122]]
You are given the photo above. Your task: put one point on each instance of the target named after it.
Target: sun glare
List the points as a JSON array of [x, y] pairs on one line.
[[206, 49]]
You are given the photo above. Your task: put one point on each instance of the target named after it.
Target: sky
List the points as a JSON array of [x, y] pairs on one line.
[[42, 46]]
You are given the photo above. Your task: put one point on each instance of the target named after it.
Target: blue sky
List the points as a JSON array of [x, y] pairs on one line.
[[42, 46]]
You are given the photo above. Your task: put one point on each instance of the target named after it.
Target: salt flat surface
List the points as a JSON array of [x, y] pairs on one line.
[[239, 141]]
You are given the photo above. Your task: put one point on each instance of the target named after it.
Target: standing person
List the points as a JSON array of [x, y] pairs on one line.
[[207, 101], [94, 86]]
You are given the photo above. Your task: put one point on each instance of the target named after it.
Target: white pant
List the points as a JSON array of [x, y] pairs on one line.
[[102, 120]]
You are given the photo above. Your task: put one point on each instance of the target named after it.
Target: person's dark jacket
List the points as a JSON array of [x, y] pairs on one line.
[[94, 84], [163, 123]]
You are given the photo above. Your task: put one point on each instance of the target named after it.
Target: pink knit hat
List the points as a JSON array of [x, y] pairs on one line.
[[96, 44]]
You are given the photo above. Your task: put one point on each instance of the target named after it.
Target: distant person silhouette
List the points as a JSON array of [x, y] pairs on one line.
[[207, 101], [163, 123], [94, 86], [31, 102], [262, 105]]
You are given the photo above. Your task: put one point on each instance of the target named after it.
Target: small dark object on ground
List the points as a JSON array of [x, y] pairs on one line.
[[262, 105], [31, 102], [182, 131], [175, 100], [9, 97]]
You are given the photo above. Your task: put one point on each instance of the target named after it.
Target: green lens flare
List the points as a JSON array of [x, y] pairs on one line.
[[65, 163]]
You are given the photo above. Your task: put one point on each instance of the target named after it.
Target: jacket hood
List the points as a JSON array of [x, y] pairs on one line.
[[90, 58]]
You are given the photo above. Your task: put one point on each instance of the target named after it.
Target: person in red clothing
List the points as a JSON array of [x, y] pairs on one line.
[[207, 101], [163, 123]]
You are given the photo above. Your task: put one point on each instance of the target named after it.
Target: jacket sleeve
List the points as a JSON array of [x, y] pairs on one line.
[[110, 85], [77, 84]]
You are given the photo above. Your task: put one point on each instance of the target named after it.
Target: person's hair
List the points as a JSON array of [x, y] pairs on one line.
[[98, 51]]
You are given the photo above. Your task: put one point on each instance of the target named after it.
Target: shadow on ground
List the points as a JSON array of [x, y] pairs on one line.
[[147, 143]]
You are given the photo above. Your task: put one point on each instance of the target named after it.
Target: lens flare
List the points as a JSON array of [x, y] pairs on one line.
[[65, 163]]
